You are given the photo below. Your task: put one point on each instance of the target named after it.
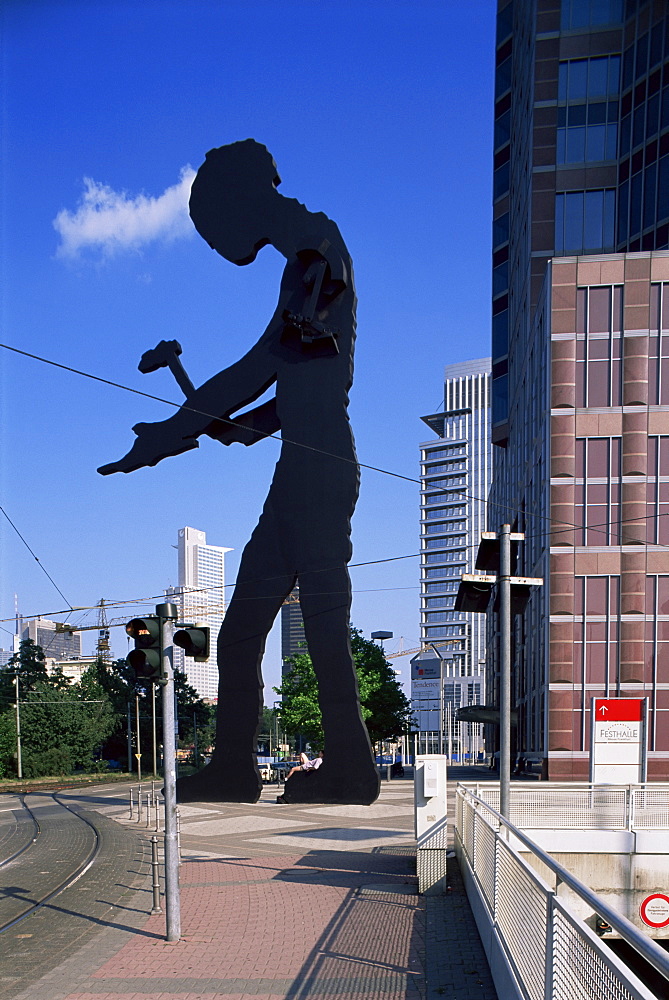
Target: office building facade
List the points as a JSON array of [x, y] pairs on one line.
[[199, 597], [455, 477], [293, 638], [55, 645], [580, 412]]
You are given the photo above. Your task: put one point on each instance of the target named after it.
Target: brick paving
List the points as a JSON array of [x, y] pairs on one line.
[[280, 903]]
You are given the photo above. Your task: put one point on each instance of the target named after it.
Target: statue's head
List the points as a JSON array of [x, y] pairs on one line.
[[231, 197]]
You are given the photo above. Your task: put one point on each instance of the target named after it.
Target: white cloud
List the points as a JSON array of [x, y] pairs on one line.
[[110, 221]]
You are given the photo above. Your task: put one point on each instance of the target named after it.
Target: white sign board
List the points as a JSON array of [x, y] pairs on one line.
[[618, 741]]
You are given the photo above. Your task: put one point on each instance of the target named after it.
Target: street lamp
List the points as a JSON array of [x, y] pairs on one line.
[[19, 767], [380, 636], [441, 697]]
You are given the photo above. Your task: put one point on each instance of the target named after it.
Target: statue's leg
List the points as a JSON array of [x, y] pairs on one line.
[[348, 773], [262, 586]]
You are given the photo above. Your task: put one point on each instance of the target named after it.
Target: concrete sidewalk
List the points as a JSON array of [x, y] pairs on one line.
[[278, 902]]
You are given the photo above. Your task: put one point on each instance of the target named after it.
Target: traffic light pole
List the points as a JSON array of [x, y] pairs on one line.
[[505, 669], [167, 613]]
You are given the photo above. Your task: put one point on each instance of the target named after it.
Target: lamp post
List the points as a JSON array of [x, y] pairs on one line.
[[380, 636], [441, 697], [19, 766]]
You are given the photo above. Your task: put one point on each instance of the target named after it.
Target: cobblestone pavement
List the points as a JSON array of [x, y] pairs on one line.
[[281, 902]]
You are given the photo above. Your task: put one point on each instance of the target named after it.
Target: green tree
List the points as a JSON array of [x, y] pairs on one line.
[[30, 667], [385, 708], [62, 731]]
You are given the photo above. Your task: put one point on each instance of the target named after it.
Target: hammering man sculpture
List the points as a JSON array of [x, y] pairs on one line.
[[303, 535]]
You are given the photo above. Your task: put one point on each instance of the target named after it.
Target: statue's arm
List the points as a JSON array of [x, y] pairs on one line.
[[249, 427], [207, 410]]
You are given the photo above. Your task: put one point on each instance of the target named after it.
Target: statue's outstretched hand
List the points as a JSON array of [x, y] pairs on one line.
[[154, 442]]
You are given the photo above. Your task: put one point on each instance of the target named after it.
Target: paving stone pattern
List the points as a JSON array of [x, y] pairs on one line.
[[278, 903]]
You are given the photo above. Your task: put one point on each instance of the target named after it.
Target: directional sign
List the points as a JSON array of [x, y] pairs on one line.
[[618, 745], [654, 910]]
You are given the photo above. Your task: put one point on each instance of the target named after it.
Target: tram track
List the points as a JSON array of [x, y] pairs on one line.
[[26, 838], [64, 846]]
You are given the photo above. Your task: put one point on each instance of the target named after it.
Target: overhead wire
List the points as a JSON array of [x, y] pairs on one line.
[[283, 440], [566, 526]]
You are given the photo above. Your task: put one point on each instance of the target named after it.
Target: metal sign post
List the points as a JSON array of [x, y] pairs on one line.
[[167, 613], [505, 669]]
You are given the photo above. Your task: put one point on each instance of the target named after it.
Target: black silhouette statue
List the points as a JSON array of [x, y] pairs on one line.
[[303, 535]]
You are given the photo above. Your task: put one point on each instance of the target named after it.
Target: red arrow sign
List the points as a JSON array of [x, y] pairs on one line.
[[619, 709]]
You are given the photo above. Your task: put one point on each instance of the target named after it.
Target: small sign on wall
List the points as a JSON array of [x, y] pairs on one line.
[[654, 910], [618, 748]]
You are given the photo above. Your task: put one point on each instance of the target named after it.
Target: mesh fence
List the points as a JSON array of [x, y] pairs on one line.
[[521, 912], [582, 966]]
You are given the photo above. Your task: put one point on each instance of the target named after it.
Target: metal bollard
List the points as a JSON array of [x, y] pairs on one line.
[[179, 835], [155, 868], [148, 811], [130, 817], [139, 803]]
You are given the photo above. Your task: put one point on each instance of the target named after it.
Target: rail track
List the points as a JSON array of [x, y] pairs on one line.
[[49, 848]]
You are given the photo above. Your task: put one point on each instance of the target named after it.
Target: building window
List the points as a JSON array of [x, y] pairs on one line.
[[584, 221], [449, 452], [445, 512], [658, 344], [657, 492], [597, 491], [442, 571], [598, 346], [589, 13], [657, 651], [587, 121], [597, 630]]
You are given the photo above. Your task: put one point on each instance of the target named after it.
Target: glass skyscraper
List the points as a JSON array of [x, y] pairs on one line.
[[580, 363], [455, 474]]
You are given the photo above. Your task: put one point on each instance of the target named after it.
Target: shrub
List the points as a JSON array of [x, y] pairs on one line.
[[56, 761]]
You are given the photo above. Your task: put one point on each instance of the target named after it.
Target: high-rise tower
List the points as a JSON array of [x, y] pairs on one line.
[[580, 338], [200, 597], [455, 471]]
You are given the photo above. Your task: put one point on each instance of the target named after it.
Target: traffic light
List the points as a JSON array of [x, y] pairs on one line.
[[194, 640], [146, 659]]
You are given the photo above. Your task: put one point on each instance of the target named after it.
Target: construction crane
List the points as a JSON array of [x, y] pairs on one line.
[[103, 649], [424, 648]]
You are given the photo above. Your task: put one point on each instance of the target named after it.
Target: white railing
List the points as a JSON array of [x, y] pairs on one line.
[[537, 948], [583, 806]]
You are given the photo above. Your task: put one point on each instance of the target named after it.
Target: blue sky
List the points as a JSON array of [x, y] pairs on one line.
[[377, 113]]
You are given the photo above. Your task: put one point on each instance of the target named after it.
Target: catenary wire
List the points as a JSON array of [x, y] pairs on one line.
[[36, 558], [283, 440], [604, 526]]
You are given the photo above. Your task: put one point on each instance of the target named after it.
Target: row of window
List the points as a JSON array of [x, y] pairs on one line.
[[441, 572], [446, 541], [432, 558], [445, 527], [597, 510], [445, 512], [452, 451], [599, 347], [443, 496], [435, 470], [445, 587], [644, 199], [648, 51], [588, 79], [640, 125], [584, 221]]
